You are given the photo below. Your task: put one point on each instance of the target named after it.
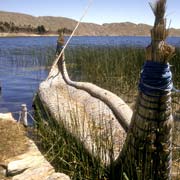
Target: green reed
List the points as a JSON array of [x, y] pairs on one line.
[[31, 58], [62, 149], [116, 69]]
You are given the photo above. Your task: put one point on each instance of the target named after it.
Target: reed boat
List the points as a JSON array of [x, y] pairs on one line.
[[94, 116], [135, 145]]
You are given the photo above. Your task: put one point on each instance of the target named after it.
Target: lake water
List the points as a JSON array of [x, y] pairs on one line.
[[22, 61]]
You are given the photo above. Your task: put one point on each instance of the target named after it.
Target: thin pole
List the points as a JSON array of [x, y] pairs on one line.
[[23, 118], [84, 13]]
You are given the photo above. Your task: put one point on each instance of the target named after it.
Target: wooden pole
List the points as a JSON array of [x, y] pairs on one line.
[[23, 118]]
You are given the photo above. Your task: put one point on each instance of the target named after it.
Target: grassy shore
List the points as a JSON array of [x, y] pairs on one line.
[[12, 142]]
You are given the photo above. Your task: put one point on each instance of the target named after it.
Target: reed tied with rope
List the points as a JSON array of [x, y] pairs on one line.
[[159, 50]]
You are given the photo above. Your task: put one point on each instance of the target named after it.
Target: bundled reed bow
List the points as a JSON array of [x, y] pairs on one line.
[[147, 152]]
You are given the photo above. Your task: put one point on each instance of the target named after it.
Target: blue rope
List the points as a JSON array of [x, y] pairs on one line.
[[156, 79]]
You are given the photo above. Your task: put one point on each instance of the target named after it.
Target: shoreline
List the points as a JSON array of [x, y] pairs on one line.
[[6, 35], [25, 35]]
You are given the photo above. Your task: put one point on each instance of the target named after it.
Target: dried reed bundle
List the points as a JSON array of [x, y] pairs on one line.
[[159, 50], [147, 152]]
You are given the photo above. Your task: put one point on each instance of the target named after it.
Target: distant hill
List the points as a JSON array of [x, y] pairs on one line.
[[21, 22]]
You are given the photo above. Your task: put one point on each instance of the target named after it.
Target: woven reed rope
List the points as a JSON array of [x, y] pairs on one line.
[[154, 120], [149, 140], [146, 131]]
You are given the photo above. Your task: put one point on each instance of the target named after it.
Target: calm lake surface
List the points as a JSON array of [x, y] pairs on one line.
[[22, 62]]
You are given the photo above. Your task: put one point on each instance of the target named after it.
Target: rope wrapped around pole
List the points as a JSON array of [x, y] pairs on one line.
[[156, 79]]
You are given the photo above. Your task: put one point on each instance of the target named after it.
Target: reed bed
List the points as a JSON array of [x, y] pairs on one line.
[[116, 69], [62, 149]]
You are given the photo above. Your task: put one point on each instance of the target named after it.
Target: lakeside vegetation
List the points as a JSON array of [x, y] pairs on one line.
[[10, 27], [116, 69]]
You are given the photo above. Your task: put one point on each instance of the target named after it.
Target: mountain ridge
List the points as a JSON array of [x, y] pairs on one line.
[[52, 24]]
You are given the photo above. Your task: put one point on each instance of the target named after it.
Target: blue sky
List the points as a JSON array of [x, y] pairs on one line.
[[101, 11]]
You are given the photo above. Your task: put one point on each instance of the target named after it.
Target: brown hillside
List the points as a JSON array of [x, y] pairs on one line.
[[126, 29], [55, 23], [18, 19]]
